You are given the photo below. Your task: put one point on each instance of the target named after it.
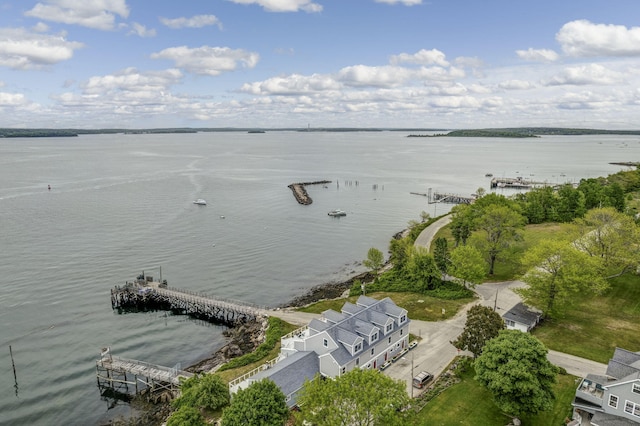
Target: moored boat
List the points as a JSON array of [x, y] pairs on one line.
[[337, 213], [200, 202]]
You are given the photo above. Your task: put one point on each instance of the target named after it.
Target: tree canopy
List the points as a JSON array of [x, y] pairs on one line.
[[500, 226], [482, 325], [359, 398], [467, 266], [262, 403], [515, 369], [374, 260], [557, 273], [206, 391]]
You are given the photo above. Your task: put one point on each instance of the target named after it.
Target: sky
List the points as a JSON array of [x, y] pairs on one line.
[[451, 64]]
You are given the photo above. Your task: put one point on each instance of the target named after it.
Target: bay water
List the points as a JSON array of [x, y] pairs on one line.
[[120, 204]]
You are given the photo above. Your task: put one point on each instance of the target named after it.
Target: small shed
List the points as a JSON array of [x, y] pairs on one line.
[[521, 317]]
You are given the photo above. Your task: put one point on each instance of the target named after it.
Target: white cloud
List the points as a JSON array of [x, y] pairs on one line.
[[141, 31], [385, 76], [422, 57], [516, 85], [22, 49], [206, 60], [98, 14], [405, 2], [583, 38], [595, 74], [537, 55], [292, 85], [130, 80], [197, 21], [12, 99], [284, 5]]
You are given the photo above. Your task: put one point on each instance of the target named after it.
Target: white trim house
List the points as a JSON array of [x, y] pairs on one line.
[[366, 334]]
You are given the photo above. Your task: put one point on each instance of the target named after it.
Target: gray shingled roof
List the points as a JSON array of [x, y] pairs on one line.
[[346, 337], [521, 314], [623, 363], [333, 316], [289, 374], [316, 326], [351, 309]]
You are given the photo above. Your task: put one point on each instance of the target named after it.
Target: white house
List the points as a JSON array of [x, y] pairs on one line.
[[366, 334], [521, 317]]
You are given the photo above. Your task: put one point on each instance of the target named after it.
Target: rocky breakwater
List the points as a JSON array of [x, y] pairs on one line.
[[300, 193]]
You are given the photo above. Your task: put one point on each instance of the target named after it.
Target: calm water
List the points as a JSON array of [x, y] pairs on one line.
[[121, 204]]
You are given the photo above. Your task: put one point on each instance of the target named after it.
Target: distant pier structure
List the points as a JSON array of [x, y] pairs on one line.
[[145, 294], [437, 197], [516, 183]]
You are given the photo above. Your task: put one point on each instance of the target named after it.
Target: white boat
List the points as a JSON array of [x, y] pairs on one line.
[[200, 202], [337, 213]]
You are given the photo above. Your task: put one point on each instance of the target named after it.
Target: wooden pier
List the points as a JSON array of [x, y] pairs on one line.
[[126, 376], [144, 295]]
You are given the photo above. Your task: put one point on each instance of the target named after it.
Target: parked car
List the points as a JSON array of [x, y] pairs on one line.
[[422, 379]]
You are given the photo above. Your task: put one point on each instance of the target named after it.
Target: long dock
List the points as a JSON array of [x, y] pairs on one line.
[[516, 183], [143, 295], [124, 376], [450, 198], [300, 193]]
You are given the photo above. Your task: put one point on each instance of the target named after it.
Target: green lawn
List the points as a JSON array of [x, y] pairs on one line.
[[598, 324], [468, 403], [419, 307]]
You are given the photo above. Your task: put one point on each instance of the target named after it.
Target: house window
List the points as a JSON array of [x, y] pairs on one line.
[[343, 370], [389, 327], [325, 342], [631, 407], [358, 348], [389, 339], [403, 319], [374, 337], [373, 350], [510, 323], [401, 330], [357, 362], [613, 401], [636, 388]]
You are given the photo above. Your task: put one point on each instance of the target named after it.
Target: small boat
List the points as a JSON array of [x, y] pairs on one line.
[[337, 213], [200, 202], [488, 175]]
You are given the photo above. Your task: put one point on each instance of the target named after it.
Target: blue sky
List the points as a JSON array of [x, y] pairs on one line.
[[323, 63]]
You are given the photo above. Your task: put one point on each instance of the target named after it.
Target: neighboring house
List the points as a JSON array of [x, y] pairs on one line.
[[366, 334], [521, 317], [613, 399]]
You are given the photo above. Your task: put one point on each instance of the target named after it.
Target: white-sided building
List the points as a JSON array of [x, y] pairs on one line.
[[366, 334]]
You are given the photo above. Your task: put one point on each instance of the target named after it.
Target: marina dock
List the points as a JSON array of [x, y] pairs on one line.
[[516, 183]]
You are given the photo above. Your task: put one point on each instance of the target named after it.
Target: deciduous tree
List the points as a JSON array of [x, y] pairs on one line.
[[501, 227], [611, 236], [557, 273], [374, 261], [441, 255], [467, 266], [359, 398], [482, 325], [515, 369], [262, 403], [203, 391]]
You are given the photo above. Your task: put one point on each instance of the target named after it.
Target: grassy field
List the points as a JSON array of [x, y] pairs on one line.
[[419, 307], [598, 324], [468, 403]]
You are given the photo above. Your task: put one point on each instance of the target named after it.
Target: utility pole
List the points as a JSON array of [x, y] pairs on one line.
[[412, 375]]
